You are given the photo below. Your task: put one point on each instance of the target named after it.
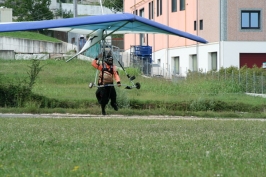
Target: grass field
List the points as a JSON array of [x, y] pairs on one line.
[[130, 147], [69, 81]]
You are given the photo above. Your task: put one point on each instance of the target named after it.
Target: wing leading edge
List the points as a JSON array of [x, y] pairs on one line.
[[115, 23]]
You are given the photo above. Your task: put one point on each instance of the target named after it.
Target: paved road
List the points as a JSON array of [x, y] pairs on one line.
[[55, 115]]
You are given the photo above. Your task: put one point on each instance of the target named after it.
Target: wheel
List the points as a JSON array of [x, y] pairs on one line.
[[137, 85], [90, 85]]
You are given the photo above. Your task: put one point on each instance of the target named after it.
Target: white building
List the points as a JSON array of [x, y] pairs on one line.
[[5, 15]]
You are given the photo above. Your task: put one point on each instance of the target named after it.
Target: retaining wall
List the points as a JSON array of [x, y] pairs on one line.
[[33, 46], [14, 48]]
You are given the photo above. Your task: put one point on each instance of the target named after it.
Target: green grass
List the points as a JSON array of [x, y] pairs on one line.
[[29, 35], [69, 81], [131, 147]]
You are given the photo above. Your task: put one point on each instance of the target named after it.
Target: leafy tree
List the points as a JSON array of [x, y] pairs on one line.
[[114, 5], [63, 13], [30, 10]]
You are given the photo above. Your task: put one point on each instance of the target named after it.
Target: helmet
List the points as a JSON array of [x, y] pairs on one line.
[[109, 60]]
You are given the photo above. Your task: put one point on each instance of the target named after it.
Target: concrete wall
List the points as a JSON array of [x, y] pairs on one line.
[[7, 54], [13, 48], [33, 46], [87, 9]]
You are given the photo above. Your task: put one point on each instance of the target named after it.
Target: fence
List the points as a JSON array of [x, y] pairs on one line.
[[249, 80]]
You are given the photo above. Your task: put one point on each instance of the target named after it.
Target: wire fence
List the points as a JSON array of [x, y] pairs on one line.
[[249, 80]]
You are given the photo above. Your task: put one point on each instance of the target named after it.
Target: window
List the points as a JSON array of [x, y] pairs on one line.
[[174, 5], [159, 7], [151, 10], [195, 25], [250, 19], [135, 12], [159, 62], [214, 61], [201, 24], [182, 5], [141, 12], [158, 2], [194, 63], [141, 36], [176, 66]]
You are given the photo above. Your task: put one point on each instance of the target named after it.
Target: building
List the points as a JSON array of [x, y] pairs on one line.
[[5, 15], [235, 30]]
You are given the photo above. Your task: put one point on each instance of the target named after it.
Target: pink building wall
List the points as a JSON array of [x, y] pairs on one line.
[[181, 20], [234, 21], [209, 12]]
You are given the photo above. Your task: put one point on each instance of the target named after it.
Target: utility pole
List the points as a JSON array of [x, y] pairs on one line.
[[75, 8], [101, 5]]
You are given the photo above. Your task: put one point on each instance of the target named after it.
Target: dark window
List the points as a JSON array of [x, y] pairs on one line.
[[214, 61], [141, 36], [135, 12], [159, 7], [194, 63], [174, 5], [182, 4], [195, 25], [151, 10], [141, 12], [201, 24], [176, 65], [250, 19]]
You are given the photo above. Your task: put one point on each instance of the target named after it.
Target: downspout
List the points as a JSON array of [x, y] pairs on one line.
[[221, 35], [153, 35], [197, 27], [135, 40], [167, 43], [185, 24]]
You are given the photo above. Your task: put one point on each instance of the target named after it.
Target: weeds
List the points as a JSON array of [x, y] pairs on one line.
[[60, 85]]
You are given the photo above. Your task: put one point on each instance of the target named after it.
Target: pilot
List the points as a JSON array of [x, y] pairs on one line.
[[106, 90]]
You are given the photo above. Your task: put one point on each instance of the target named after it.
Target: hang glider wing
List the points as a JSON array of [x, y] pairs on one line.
[[113, 24], [94, 38]]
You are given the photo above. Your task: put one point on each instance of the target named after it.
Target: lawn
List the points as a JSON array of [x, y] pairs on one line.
[[131, 147]]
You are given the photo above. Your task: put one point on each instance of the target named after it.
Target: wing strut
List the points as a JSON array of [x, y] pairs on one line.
[[95, 37]]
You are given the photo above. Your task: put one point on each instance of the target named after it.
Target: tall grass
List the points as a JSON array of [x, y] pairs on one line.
[[131, 147], [69, 81]]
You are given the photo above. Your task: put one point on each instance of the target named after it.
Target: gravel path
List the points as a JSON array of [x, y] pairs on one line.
[[56, 115]]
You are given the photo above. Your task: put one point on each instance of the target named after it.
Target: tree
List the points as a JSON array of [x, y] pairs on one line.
[[114, 5], [30, 10], [63, 13]]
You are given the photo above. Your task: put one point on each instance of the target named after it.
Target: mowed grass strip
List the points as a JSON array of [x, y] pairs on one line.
[[130, 147], [29, 35]]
